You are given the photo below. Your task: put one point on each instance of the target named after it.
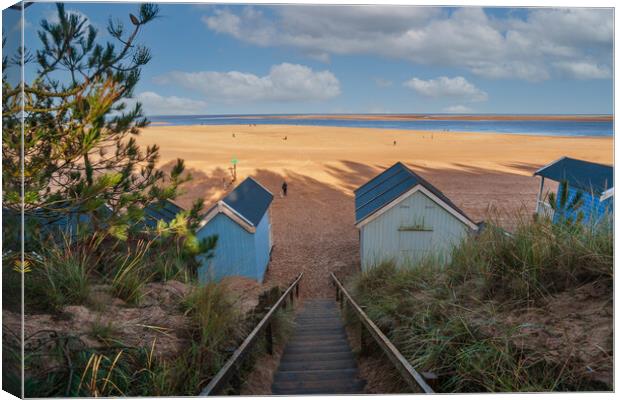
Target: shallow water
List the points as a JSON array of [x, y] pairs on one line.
[[546, 128]]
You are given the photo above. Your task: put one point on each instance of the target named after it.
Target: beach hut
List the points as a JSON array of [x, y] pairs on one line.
[[403, 218], [593, 182], [241, 222], [165, 210], [60, 221]]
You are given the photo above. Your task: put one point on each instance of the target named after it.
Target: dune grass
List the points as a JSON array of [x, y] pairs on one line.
[[446, 319]]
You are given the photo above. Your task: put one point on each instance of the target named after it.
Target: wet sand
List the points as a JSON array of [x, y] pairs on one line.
[[313, 227]]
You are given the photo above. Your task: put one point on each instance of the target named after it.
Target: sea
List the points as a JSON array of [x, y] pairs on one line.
[[527, 127]]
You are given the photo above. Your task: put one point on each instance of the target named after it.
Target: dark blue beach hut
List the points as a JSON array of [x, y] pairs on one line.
[[59, 221], [164, 210], [241, 221], [594, 181]]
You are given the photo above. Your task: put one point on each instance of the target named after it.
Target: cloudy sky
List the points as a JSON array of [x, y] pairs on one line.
[[210, 59]]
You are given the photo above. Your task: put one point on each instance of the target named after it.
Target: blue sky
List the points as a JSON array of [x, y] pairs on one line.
[[210, 59]]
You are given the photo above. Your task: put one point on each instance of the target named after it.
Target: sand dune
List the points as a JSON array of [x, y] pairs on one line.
[[313, 227]]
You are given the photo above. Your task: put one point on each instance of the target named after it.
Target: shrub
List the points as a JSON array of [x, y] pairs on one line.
[[60, 276], [131, 274], [104, 331], [539, 258], [445, 319]]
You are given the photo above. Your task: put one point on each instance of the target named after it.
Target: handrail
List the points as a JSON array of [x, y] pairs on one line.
[[223, 375], [411, 376]]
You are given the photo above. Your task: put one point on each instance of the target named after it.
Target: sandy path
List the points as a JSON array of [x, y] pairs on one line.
[[313, 226]]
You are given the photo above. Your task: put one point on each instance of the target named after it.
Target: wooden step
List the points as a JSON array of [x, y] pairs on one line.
[[316, 365], [338, 355], [317, 342], [319, 329], [337, 384], [342, 374], [319, 336], [355, 386], [318, 358], [323, 349]]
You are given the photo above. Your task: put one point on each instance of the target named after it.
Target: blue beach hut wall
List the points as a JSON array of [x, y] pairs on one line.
[[594, 181], [58, 222], [241, 222]]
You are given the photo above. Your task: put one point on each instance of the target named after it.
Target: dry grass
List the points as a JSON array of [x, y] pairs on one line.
[[459, 322]]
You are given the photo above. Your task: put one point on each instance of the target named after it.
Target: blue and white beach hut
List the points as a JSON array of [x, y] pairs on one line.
[[241, 221], [594, 181], [401, 217]]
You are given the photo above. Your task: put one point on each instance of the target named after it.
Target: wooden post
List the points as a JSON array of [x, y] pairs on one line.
[[269, 337], [292, 296], [297, 290], [363, 344], [539, 198]]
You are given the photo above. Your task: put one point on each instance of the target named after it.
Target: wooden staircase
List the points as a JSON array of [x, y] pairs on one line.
[[318, 358]]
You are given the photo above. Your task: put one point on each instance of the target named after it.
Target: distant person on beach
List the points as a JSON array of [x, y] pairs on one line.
[[285, 137], [234, 135], [284, 188], [395, 143]]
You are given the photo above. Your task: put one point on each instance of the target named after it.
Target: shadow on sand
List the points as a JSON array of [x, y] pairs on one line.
[[313, 227]]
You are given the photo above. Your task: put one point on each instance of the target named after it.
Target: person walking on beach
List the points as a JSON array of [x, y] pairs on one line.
[[284, 188]]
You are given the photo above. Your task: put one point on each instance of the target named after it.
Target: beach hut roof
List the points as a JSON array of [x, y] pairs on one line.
[[392, 183], [246, 205], [581, 174], [164, 210], [250, 199]]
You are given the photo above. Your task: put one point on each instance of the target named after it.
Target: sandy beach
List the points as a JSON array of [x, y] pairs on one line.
[[313, 226]]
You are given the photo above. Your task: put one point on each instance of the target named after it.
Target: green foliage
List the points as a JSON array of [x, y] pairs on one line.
[[131, 273], [538, 258], [79, 145], [104, 331], [178, 248], [445, 320], [60, 276], [212, 311], [569, 212]]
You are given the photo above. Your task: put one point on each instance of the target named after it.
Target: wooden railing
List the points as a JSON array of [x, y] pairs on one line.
[[413, 378], [220, 379]]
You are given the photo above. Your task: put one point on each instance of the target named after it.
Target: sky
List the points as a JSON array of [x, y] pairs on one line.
[[253, 59]]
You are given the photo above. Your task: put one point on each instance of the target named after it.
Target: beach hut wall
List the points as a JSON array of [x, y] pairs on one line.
[[242, 223], [404, 218], [592, 181]]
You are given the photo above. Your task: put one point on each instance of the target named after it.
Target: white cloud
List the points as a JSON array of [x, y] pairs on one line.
[[458, 109], [447, 87], [285, 82], [584, 70], [490, 46], [155, 104]]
